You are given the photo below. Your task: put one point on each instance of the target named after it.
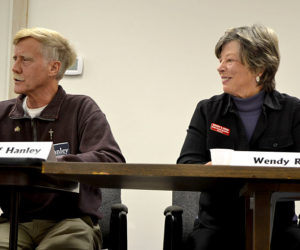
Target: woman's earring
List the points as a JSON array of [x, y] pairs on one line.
[[257, 79]]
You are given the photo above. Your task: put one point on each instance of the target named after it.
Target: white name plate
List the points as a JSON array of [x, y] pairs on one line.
[[255, 158], [40, 150]]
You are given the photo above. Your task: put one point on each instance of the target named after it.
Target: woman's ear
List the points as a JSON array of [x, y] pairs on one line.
[[260, 72]]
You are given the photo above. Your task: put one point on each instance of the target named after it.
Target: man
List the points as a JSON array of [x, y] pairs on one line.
[[44, 112]]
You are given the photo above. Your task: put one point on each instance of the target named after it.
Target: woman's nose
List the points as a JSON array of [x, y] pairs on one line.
[[220, 68]]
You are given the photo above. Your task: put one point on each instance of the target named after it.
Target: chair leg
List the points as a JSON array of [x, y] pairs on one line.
[[249, 223], [14, 219]]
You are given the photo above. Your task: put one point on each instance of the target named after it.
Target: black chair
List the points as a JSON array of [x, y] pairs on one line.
[[114, 230], [180, 219]]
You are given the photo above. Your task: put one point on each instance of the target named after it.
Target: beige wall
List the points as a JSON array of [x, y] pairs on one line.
[[147, 63], [4, 47], [13, 16]]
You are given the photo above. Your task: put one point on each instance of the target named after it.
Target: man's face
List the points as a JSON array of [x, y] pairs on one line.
[[31, 70]]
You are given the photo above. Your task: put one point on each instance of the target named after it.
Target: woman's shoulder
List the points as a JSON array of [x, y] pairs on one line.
[[214, 100], [283, 102], [284, 97]]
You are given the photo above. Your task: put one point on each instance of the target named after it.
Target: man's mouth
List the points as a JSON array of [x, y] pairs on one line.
[[18, 78]]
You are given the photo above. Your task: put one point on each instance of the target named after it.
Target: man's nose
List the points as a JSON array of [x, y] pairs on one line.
[[16, 68]]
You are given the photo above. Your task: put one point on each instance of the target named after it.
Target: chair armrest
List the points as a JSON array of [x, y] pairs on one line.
[[118, 227], [173, 228]]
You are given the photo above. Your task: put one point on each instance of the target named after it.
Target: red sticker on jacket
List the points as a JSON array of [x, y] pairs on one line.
[[220, 129]]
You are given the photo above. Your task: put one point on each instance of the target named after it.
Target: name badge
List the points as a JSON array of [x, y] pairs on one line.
[[61, 148], [220, 129]]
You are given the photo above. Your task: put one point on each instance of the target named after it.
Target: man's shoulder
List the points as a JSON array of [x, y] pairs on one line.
[[6, 107], [80, 102], [79, 99], [7, 104], [70, 97]]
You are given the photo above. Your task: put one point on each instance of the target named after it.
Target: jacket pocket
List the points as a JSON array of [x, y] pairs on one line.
[[279, 143]]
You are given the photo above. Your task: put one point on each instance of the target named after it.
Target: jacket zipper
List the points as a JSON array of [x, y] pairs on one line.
[[34, 131]]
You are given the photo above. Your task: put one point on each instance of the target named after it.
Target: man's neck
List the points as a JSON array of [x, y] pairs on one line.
[[41, 98]]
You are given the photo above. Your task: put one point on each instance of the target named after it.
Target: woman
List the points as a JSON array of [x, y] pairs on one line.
[[256, 118]]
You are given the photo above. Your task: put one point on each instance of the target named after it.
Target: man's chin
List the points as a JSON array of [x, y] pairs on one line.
[[19, 91]]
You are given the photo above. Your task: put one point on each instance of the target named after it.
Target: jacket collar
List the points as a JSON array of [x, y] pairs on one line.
[[49, 113], [272, 101]]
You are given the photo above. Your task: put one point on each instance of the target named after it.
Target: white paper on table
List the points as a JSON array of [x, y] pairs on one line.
[[254, 158]]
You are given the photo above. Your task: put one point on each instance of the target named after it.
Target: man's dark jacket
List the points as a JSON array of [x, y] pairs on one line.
[[75, 121]]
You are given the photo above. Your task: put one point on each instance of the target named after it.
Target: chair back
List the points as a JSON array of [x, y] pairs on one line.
[[113, 224], [189, 202]]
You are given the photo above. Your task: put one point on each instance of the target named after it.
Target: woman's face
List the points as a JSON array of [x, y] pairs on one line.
[[237, 79]]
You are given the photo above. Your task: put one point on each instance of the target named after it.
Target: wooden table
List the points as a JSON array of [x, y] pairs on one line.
[[18, 175], [259, 182], [13, 178]]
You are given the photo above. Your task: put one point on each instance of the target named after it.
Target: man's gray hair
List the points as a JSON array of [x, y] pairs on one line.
[[54, 46]]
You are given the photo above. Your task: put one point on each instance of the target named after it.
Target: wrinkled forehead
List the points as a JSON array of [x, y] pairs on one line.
[[28, 45]]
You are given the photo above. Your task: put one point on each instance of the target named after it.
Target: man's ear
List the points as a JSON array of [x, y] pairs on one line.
[[54, 68]]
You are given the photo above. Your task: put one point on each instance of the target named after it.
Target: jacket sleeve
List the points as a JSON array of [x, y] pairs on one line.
[[95, 140], [296, 127], [194, 149]]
